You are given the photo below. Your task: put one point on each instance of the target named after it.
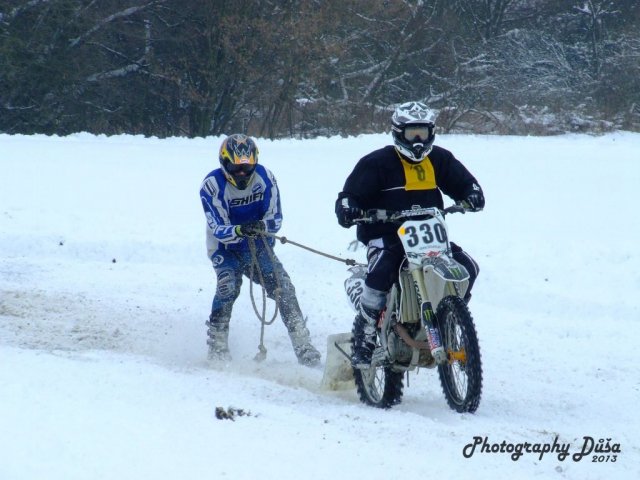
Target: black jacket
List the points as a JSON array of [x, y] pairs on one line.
[[383, 179]]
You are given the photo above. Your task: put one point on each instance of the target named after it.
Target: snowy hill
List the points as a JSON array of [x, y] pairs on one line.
[[105, 288]]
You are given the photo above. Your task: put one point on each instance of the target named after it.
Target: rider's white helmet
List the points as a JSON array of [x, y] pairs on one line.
[[413, 128]]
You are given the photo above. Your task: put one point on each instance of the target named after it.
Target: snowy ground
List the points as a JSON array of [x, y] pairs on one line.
[[105, 288]]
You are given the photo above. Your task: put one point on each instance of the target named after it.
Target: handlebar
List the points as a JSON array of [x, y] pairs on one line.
[[392, 216]]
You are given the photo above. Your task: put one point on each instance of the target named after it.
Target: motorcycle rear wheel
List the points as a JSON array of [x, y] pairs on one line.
[[377, 386], [461, 376]]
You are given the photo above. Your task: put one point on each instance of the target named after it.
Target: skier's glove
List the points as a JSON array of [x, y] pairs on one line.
[[250, 229], [347, 211]]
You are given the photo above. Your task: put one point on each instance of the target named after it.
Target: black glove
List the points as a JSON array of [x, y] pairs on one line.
[[347, 211], [475, 201], [250, 229]]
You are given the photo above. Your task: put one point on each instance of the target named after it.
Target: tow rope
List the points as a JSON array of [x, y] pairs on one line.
[[262, 316], [255, 266], [283, 240]]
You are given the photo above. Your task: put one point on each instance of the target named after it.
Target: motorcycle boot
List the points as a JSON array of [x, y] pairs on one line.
[[299, 335], [306, 353], [218, 339], [365, 325], [364, 337], [296, 324]]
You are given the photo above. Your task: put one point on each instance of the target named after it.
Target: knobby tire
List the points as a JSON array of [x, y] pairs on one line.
[[379, 387], [461, 381]]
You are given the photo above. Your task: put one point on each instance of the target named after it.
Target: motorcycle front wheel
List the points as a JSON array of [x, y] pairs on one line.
[[461, 376], [377, 386]]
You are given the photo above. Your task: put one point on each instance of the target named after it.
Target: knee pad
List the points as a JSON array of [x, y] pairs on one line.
[[467, 262], [227, 287], [373, 299]]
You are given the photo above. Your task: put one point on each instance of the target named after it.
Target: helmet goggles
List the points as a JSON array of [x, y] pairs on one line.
[[235, 168], [418, 133]]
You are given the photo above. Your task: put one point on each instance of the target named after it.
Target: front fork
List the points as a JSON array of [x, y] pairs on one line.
[[427, 317]]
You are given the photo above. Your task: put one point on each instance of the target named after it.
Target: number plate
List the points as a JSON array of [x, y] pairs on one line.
[[423, 238]]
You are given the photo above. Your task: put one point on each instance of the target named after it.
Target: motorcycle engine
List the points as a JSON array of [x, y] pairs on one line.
[[399, 351]]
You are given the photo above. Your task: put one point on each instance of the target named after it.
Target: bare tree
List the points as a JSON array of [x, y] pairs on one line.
[[308, 67]]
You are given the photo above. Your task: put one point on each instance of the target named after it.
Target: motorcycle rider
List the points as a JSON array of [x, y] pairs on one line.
[[412, 171], [241, 200]]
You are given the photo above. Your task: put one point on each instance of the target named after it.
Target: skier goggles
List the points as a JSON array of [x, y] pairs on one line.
[[422, 132], [234, 168]]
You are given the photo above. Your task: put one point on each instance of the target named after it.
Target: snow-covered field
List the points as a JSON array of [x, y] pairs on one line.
[[105, 288]]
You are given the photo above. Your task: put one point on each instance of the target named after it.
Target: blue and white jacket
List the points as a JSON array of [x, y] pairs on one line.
[[225, 206]]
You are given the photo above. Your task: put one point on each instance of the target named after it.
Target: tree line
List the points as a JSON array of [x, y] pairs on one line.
[[311, 67]]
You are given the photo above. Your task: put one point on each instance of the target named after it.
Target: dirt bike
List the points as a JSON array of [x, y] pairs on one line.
[[426, 322]]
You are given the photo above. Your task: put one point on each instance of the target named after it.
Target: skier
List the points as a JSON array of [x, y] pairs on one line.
[[241, 200], [410, 172]]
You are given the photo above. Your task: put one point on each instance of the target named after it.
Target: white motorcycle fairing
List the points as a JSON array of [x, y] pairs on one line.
[[426, 245]]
